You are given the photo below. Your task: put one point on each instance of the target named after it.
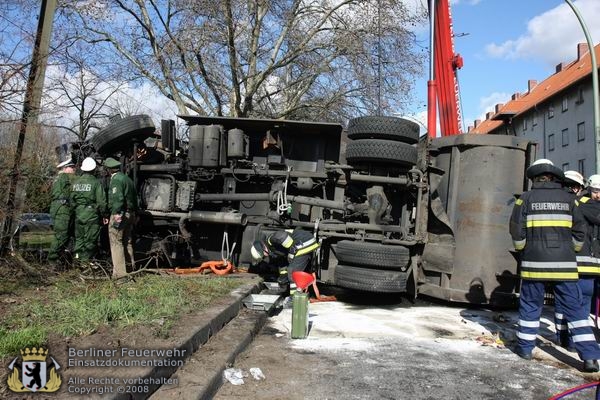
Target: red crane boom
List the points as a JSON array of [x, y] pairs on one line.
[[443, 86]]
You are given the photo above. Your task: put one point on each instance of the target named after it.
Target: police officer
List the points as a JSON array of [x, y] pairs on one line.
[[547, 227], [122, 204], [89, 202], [60, 210], [297, 245]]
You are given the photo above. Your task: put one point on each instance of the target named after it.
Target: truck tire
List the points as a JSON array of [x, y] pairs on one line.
[[376, 255], [117, 133], [390, 128], [370, 280], [377, 150]]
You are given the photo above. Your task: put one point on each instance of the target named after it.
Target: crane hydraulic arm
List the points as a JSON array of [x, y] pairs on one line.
[[443, 85]]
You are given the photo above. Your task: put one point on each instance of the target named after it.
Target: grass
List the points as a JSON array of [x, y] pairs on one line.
[[76, 309]]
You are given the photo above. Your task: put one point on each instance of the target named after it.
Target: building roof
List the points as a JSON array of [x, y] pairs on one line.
[[565, 77]]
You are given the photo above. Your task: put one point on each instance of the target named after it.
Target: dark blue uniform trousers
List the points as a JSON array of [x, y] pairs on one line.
[[568, 297], [586, 284]]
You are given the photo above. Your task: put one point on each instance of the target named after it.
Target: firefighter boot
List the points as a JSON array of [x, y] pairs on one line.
[[523, 354], [590, 366]]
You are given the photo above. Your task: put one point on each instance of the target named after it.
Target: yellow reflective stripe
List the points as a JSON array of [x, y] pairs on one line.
[[584, 199], [518, 202], [283, 272], [289, 230], [520, 244], [307, 249], [288, 242], [576, 203], [586, 269], [549, 275], [557, 223]]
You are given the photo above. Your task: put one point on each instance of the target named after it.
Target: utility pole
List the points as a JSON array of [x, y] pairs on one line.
[[31, 107], [596, 102]]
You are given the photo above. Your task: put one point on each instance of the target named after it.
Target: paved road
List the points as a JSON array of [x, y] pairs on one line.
[[391, 350]]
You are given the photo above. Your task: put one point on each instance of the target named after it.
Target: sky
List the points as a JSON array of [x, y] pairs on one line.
[[504, 43]]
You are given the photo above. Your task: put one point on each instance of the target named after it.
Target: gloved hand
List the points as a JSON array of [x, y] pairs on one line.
[[283, 281]]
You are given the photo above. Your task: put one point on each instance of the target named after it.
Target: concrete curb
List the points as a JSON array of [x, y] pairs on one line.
[[209, 324], [202, 375]]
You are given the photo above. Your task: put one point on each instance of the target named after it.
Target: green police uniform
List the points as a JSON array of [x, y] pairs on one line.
[[122, 203], [89, 202], [60, 211]]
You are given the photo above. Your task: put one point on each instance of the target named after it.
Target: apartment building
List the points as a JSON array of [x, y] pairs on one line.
[[557, 113]]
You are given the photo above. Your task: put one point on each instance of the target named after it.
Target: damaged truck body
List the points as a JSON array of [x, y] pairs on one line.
[[394, 212]]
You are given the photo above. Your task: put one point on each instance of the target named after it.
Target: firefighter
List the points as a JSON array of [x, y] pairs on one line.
[[587, 264], [547, 228], [89, 202], [60, 211], [297, 245], [123, 205]]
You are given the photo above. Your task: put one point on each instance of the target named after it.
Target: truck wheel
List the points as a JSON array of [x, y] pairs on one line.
[[116, 134], [376, 255], [377, 150], [370, 280], [390, 128]]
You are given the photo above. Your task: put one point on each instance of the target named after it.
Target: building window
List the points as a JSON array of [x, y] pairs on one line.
[[565, 104], [581, 131], [565, 137], [581, 166], [534, 122], [565, 166], [550, 112], [579, 95], [551, 142], [524, 124]]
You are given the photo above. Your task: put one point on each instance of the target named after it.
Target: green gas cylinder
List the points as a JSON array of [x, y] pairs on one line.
[[299, 315]]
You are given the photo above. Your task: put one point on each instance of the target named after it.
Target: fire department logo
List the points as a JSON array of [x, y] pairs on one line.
[[37, 375]]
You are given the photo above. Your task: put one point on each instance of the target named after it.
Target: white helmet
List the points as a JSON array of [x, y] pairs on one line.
[[89, 164], [544, 166], [575, 177], [257, 250], [542, 161], [594, 182]]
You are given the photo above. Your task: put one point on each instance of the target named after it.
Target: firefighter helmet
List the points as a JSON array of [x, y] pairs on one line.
[[257, 250], [594, 182], [544, 166], [574, 176]]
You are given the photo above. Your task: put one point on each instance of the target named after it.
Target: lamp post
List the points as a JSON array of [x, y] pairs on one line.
[[596, 102]]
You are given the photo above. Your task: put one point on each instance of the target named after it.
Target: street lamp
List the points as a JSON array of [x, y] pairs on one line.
[[596, 102]]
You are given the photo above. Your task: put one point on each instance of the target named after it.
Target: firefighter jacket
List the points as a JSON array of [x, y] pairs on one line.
[[60, 193], [122, 196], [291, 243], [547, 226], [587, 259]]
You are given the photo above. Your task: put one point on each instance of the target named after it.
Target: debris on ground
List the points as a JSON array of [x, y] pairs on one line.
[[235, 376], [493, 340], [257, 374]]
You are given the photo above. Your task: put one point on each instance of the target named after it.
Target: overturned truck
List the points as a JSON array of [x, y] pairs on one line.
[[393, 212]]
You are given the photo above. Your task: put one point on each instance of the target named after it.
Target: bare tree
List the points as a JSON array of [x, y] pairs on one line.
[[16, 42], [78, 96], [279, 58]]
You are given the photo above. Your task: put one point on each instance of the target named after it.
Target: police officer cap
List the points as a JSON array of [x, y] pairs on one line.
[[111, 163], [88, 164], [66, 163], [544, 166]]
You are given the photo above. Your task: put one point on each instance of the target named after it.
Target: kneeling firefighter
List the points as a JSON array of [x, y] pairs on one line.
[[297, 245]]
